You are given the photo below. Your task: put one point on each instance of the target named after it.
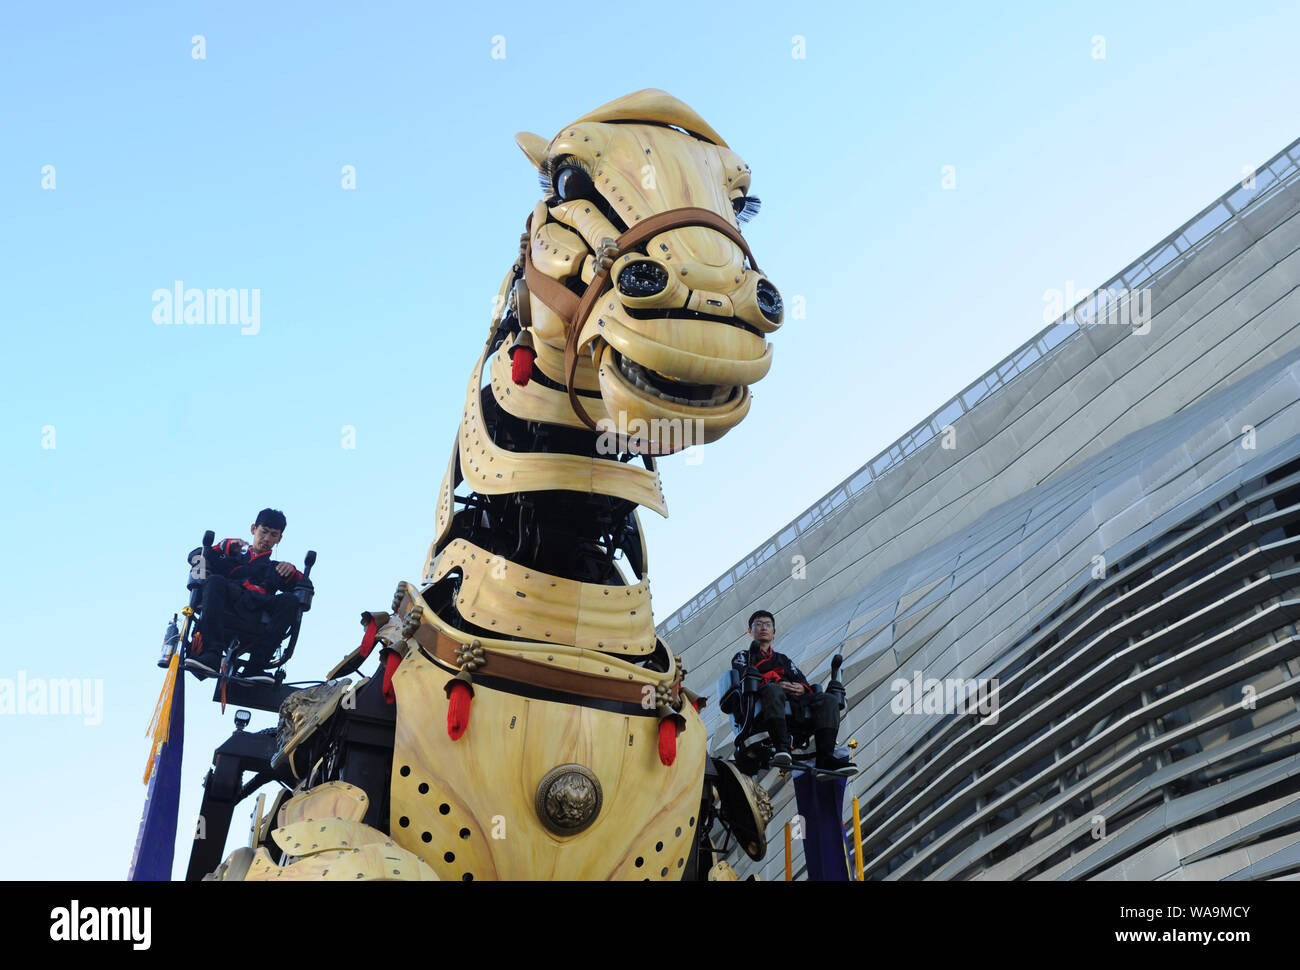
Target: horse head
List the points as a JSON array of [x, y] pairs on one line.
[[639, 283]]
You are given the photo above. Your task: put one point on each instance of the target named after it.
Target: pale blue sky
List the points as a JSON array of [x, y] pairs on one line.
[[225, 173]]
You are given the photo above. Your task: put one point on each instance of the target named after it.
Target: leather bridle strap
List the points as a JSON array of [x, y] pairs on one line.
[[574, 310], [562, 301]]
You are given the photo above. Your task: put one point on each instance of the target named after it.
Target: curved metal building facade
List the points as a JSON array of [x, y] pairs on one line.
[[1068, 601]]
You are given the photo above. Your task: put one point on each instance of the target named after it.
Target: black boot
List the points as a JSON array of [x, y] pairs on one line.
[[826, 758], [780, 736]]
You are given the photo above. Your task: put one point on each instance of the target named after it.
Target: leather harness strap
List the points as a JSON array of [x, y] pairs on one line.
[[519, 669], [561, 300], [574, 310]]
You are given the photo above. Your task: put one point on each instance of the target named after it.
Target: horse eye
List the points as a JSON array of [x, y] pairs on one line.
[[746, 207], [572, 183]]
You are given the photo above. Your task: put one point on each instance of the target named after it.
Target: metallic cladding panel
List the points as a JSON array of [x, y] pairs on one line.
[[1147, 465]]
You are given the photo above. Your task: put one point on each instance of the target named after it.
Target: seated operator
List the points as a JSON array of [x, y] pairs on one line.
[[243, 581], [782, 681]]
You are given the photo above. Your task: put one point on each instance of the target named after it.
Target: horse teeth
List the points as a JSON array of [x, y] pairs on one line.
[[639, 377]]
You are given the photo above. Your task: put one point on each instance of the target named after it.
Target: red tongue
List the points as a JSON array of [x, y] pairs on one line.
[[521, 365], [668, 740], [368, 640], [458, 710], [392, 660]]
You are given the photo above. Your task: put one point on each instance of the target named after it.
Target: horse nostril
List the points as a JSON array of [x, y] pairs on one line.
[[645, 278], [769, 302]]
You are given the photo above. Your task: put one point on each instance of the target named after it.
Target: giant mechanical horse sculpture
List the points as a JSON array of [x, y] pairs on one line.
[[541, 730]]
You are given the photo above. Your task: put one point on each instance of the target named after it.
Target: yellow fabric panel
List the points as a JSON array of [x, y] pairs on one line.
[[493, 470], [616, 619], [380, 862], [653, 104], [551, 361], [335, 799], [699, 354], [312, 835], [533, 402], [488, 783]]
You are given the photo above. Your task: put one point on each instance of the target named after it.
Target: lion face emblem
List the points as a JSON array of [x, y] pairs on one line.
[[568, 799]]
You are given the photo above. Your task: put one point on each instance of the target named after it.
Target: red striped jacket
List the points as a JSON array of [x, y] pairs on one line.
[[254, 572]]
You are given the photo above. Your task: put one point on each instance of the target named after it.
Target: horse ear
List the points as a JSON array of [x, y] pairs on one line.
[[534, 147]]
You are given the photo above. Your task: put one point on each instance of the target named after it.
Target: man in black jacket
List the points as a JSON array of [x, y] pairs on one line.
[[243, 581], [782, 681]]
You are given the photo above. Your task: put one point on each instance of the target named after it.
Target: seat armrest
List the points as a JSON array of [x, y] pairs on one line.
[[729, 691]]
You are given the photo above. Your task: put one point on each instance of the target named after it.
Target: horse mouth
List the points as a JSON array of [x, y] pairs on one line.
[[664, 388], [658, 377]]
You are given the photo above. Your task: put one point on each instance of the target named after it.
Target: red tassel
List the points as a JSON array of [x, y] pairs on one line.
[[391, 662], [668, 740], [458, 709], [521, 365], [368, 641]]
